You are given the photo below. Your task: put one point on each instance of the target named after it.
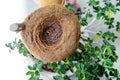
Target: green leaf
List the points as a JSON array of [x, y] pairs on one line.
[[30, 67], [36, 72], [118, 27], [109, 62], [70, 7], [11, 46], [78, 75], [82, 21], [109, 21], [58, 78], [98, 16], [97, 50], [31, 78], [97, 36], [72, 70], [17, 44], [53, 65], [34, 66], [88, 15], [29, 73], [93, 3], [66, 77], [118, 3], [113, 72], [109, 36]]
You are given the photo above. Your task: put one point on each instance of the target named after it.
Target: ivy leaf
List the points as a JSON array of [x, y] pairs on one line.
[[35, 69], [93, 3], [9, 45], [36, 72], [58, 78], [78, 75], [30, 73], [118, 77], [118, 3], [114, 72], [100, 12], [98, 35], [109, 36], [118, 27], [81, 47], [53, 65], [88, 15], [17, 44], [98, 16], [97, 50], [70, 7], [112, 8], [110, 49], [82, 21], [66, 77], [31, 78], [109, 22], [107, 62], [30, 67]]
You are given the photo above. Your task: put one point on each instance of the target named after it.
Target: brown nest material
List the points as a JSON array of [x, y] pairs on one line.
[[52, 33]]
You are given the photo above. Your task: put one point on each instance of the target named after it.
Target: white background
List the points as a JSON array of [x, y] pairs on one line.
[[12, 65]]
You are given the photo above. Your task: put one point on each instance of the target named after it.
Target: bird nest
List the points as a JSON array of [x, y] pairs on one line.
[[52, 33]]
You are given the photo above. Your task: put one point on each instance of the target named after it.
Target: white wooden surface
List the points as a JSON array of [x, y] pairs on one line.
[[12, 65]]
